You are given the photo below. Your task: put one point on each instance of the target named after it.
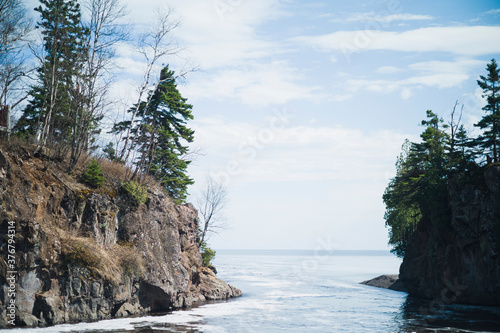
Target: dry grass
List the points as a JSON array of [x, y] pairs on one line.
[[86, 253], [110, 264], [20, 146], [115, 171], [130, 260]]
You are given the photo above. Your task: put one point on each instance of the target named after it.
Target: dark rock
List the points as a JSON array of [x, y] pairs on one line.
[[213, 288], [386, 281], [459, 263], [127, 309], [26, 319], [65, 278]]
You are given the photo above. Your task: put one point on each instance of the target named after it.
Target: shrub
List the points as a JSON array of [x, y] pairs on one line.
[[93, 176], [207, 255], [137, 192]]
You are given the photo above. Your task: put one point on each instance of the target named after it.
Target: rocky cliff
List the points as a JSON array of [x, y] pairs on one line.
[[459, 263], [72, 253]]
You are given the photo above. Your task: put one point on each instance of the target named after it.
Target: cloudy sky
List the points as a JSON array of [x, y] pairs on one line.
[[302, 106]]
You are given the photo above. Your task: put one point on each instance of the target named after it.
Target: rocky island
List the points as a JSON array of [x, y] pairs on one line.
[[80, 254], [462, 263]]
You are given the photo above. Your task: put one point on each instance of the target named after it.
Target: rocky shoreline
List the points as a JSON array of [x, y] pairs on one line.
[[84, 254], [387, 282]]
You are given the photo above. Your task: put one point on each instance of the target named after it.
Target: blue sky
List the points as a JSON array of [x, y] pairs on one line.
[[302, 107]]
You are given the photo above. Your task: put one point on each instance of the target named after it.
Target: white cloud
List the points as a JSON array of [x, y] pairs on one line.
[[439, 74], [258, 84], [339, 97], [493, 11], [298, 153], [406, 93], [215, 33], [388, 70], [222, 36], [372, 16], [472, 41]]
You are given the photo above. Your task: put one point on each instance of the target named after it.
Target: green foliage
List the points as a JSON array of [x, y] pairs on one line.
[[420, 186], [93, 176], [419, 189], [137, 192], [50, 113], [160, 136], [110, 151], [207, 255], [489, 140]]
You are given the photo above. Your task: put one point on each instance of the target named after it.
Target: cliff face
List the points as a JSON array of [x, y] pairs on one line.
[[460, 264], [84, 254]]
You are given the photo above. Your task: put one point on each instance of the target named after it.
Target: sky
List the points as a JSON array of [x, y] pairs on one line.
[[301, 107]]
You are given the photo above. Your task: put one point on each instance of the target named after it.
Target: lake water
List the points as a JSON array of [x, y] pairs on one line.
[[306, 291]]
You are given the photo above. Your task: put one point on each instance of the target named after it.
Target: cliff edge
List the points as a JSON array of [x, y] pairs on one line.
[[72, 253], [459, 263]]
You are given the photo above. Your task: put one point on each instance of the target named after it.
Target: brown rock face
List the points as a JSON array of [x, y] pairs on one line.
[[85, 254], [460, 264]]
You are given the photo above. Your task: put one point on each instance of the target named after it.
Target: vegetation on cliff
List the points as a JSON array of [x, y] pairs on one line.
[[62, 107], [423, 170], [88, 253], [67, 99]]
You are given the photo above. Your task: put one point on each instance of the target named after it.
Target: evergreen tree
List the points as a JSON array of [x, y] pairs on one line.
[[160, 135], [489, 141], [93, 176], [420, 187], [51, 110]]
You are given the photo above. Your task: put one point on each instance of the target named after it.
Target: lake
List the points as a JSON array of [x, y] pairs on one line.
[[306, 291]]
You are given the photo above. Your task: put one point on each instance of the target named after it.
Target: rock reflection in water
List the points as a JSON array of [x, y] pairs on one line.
[[419, 315]]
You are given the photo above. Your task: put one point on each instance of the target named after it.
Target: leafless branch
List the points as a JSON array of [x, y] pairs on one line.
[[210, 204], [153, 45]]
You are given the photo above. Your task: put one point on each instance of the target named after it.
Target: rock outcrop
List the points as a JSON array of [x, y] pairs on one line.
[[89, 254], [387, 281], [459, 263]]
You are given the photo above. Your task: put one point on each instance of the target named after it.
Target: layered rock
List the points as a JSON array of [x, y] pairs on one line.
[[459, 263], [85, 254]]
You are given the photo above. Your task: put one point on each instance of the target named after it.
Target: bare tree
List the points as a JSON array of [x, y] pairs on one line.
[[92, 86], [454, 126], [153, 45], [210, 204], [15, 26]]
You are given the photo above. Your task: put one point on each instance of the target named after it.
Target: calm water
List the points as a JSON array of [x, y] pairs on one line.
[[306, 291]]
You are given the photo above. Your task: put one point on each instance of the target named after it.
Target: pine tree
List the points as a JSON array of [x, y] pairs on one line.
[[489, 141], [160, 135], [420, 186], [50, 112], [93, 176]]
